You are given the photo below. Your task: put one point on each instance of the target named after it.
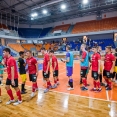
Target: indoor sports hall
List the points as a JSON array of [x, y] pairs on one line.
[[53, 26]]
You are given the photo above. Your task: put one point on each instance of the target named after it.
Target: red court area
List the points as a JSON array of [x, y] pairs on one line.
[[105, 95]]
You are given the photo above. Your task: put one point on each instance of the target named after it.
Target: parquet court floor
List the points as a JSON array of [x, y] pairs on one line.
[[62, 103]]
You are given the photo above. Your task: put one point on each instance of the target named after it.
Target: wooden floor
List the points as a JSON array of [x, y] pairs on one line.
[[62, 103]]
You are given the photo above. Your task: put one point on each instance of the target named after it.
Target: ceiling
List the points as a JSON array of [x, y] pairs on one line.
[[12, 10]]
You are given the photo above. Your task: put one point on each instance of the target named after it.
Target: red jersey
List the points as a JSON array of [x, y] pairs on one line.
[[45, 62], [54, 59], [12, 63], [94, 61], [5, 60], [109, 58], [31, 65]]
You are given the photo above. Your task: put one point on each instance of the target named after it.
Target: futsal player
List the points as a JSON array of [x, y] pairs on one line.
[[69, 66], [22, 71], [95, 63], [101, 68], [33, 71], [109, 62], [46, 69], [115, 68], [54, 67], [84, 63], [12, 78]]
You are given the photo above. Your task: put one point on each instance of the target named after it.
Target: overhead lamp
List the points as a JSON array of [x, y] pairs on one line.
[[63, 6], [85, 1], [44, 11], [34, 15]]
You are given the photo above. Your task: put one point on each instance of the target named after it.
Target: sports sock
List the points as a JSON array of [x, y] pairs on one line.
[[71, 83], [55, 81], [22, 87], [19, 95], [100, 77], [33, 87], [110, 84], [36, 85], [116, 76], [48, 84], [10, 94], [98, 84], [107, 81], [113, 75], [84, 81], [94, 83]]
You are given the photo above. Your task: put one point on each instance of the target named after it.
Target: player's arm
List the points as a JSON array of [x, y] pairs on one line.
[[48, 65], [36, 67], [12, 75], [67, 59], [83, 56], [54, 66], [113, 65]]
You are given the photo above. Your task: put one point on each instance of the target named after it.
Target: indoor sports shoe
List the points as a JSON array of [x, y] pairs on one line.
[[93, 89], [17, 103], [99, 90], [68, 85], [108, 88], [70, 89], [102, 84], [116, 81], [23, 92], [32, 94], [46, 90], [54, 86], [10, 101], [58, 83], [84, 88]]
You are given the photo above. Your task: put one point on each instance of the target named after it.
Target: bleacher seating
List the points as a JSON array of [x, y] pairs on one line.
[[1, 51], [64, 28], [29, 32], [45, 32], [16, 47], [92, 26]]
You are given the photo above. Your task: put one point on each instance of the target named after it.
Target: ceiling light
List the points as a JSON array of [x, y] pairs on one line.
[[32, 18], [34, 15], [44, 11], [85, 1], [63, 6]]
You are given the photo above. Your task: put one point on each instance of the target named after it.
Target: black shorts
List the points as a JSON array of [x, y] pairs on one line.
[[46, 75], [107, 74], [55, 73], [8, 82], [95, 75], [83, 73], [33, 77]]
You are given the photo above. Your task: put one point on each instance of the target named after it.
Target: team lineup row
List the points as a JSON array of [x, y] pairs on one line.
[[86, 59]]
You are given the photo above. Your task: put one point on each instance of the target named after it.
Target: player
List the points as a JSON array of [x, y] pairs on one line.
[[33, 71], [101, 68], [69, 66], [95, 63], [12, 77], [54, 67], [22, 71], [109, 62], [115, 68], [46, 70], [84, 63], [1, 71]]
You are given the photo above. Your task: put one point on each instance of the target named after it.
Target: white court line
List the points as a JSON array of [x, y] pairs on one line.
[[107, 95]]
